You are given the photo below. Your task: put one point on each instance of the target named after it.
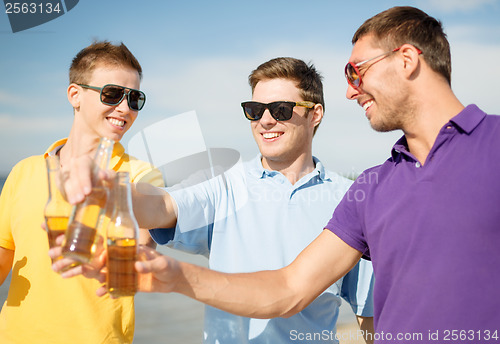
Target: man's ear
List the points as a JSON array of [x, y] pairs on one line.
[[411, 59], [74, 93], [317, 115]]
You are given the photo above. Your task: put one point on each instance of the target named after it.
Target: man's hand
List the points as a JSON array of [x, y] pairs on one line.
[[75, 179], [154, 269], [69, 267]]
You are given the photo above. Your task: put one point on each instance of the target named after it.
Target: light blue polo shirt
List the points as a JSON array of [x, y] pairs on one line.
[[250, 219]]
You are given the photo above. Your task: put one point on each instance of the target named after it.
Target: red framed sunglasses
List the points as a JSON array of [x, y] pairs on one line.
[[353, 70]]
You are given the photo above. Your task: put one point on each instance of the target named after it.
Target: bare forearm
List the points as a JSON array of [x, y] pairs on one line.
[[153, 207], [266, 294], [145, 239], [263, 294], [6, 259]]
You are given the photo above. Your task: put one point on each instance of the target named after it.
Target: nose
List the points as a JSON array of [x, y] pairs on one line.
[[123, 105], [266, 119], [352, 92]]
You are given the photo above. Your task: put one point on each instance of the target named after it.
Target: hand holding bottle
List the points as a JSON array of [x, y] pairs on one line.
[[121, 240], [87, 215], [69, 267], [153, 269], [76, 178]]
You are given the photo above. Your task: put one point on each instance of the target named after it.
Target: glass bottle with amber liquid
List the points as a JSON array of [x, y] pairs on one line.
[[121, 242], [57, 210], [84, 222]]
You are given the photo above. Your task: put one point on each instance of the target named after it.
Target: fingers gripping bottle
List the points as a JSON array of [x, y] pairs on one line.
[[121, 243], [86, 216]]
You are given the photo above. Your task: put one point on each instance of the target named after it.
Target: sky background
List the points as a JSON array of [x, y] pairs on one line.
[[197, 55]]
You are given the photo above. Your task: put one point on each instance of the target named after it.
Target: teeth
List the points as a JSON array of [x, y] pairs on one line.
[[271, 135], [116, 122], [367, 104]]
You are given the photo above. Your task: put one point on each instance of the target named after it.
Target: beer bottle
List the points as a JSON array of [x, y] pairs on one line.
[[86, 216], [57, 210], [121, 242]]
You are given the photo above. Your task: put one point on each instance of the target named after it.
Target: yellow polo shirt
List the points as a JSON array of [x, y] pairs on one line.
[[41, 306]]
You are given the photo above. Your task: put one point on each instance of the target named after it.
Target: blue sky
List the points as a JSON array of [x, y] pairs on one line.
[[196, 55]]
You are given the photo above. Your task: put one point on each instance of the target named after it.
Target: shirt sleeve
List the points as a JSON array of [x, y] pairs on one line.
[[346, 221], [347, 224], [196, 209], [357, 288], [142, 172]]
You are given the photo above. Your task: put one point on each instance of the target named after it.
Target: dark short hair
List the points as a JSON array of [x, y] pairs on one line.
[[404, 24]]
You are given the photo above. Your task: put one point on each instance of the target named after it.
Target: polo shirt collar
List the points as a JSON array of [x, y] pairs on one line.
[[466, 121], [257, 170], [116, 156], [321, 171], [401, 146], [469, 118], [54, 148]]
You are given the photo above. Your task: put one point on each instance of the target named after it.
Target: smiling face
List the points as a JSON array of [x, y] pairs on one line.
[[96, 119], [283, 142], [382, 94]]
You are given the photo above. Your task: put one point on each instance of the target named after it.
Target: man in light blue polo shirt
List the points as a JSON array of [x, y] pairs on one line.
[[262, 214]]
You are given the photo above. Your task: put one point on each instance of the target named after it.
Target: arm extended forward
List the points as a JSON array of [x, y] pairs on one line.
[[263, 294]]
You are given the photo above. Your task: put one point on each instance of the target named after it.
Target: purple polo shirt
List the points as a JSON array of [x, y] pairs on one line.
[[433, 235]]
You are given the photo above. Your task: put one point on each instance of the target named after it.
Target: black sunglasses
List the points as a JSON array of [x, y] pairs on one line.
[[113, 95], [281, 111]]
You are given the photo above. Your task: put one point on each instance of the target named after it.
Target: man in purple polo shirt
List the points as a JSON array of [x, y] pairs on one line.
[[429, 217]]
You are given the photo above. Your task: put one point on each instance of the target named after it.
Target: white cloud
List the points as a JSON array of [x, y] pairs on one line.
[[21, 126], [22, 136], [473, 34], [10, 99], [449, 6], [475, 74]]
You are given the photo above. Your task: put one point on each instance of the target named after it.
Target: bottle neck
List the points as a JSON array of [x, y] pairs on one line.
[[102, 156], [53, 166], [52, 179], [123, 194]]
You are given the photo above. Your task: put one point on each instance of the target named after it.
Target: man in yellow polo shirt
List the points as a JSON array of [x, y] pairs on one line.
[[41, 306]]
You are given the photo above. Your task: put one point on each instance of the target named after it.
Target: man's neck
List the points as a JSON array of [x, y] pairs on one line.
[[292, 170], [430, 118]]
